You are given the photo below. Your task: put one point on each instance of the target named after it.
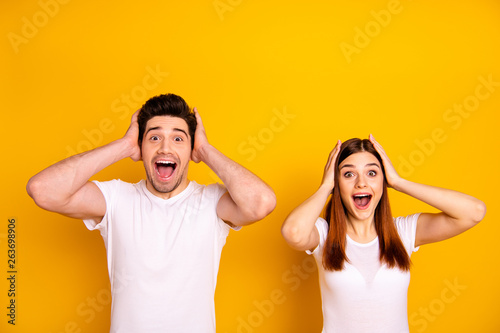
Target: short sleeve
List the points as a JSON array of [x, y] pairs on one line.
[[107, 190], [322, 227], [218, 190], [407, 229]]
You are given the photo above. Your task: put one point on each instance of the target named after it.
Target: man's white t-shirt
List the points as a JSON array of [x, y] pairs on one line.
[[163, 256], [365, 296]]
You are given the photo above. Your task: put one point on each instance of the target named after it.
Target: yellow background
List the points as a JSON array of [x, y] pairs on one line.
[[64, 87]]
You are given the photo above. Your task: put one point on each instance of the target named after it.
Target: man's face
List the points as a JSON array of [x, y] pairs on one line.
[[166, 152]]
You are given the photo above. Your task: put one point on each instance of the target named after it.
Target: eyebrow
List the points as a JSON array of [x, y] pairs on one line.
[[352, 165], [159, 128]]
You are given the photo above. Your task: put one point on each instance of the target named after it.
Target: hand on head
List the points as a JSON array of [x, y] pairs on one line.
[[391, 174], [329, 172], [132, 136], [200, 138]]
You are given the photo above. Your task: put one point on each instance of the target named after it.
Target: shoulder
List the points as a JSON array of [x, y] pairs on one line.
[[404, 224], [322, 228], [407, 228], [210, 191], [117, 186]]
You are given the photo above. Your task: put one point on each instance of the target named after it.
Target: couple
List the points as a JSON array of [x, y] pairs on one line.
[[166, 233]]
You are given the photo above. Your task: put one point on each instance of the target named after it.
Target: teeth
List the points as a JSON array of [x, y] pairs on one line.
[[361, 195], [165, 162]]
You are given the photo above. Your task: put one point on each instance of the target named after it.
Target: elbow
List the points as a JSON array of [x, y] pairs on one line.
[[479, 212], [33, 189], [36, 191], [289, 232], [268, 203], [293, 236], [262, 207]]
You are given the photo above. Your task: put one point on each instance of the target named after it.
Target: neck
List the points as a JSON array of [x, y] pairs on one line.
[[167, 195], [361, 230]]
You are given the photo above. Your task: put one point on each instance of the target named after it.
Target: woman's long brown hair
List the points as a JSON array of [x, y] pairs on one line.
[[391, 248]]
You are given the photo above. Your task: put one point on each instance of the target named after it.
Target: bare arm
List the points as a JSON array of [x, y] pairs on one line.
[[249, 199], [64, 187], [459, 211], [298, 229]]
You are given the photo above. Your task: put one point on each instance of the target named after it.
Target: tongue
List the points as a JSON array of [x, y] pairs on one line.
[[363, 201], [165, 171]]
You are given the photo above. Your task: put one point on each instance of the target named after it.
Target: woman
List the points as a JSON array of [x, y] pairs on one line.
[[362, 253]]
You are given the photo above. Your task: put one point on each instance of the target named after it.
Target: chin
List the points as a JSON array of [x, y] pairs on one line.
[[167, 188], [362, 215]]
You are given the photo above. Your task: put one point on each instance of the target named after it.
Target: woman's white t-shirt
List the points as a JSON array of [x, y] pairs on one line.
[[365, 296]]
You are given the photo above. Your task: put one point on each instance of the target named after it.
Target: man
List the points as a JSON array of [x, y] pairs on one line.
[[165, 233]]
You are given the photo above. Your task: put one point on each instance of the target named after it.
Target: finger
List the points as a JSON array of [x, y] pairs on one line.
[[135, 115], [199, 122], [374, 142], [333, 154], [330, 156], [338, 146], [385, 158], [378, 147], [336, 151], [197, 114]]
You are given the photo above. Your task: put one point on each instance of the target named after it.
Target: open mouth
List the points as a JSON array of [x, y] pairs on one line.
[[361, 201], [165, 169]]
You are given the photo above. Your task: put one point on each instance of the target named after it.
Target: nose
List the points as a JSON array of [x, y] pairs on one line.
[[165, 147], [361, 182]]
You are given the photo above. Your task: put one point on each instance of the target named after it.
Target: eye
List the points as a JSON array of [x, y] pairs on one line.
[[154, 138], [348, 174], [178, 139], [372, 173]]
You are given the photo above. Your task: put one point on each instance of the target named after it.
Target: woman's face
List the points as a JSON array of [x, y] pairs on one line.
[[361, 184]]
